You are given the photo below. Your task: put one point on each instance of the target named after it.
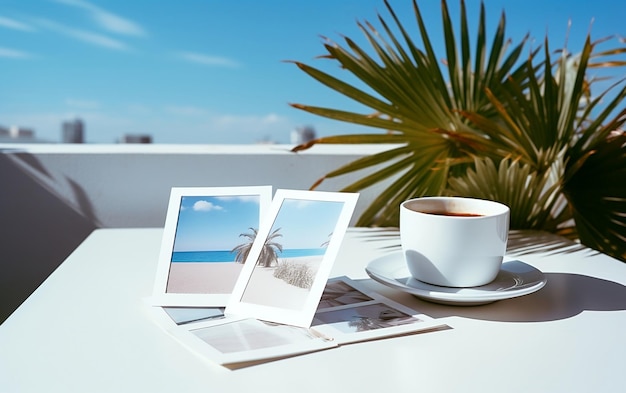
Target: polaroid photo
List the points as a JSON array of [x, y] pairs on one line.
[[341, 291], [288, 266], [236, 343], [208, 234], [354, 313]]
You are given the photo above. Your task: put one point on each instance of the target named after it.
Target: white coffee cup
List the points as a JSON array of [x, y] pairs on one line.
[[454, 241]]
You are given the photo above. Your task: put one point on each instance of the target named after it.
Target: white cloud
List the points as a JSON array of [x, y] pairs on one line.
[[206, 206], [209, 60], [108, 20], [209, 127], [117, 24], [85, 36], [15, 25], [249, 128], [14, 54]]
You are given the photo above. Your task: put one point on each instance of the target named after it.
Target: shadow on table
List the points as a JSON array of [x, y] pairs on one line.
[[526, 241], [39, 227], [564, 296], [520, 242]]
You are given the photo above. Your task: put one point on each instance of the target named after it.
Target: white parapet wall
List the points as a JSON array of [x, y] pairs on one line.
[[53, 195], [128, 185]]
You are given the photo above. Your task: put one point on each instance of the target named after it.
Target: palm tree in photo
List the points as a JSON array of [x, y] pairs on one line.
[[269, 253], [243, 249]]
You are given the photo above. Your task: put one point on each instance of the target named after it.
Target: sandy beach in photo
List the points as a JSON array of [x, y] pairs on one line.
[[203, 277], [265, 289]]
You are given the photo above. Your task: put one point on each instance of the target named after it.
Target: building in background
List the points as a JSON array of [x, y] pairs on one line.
[[73, 131], [302, 135], [16, 134], [136, 138]]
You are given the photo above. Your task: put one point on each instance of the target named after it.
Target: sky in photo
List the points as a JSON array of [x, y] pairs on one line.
[[306, 223], [207, 223], [215, 71]]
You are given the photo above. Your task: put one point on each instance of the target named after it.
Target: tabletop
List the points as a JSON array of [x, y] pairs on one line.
[[87, 329]]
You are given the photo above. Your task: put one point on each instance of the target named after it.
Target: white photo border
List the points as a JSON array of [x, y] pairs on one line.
[[160, 296], [297, 341], [302, 316]]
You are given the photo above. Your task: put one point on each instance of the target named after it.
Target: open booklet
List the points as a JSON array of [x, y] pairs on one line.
[[279, 302], [348, 312]]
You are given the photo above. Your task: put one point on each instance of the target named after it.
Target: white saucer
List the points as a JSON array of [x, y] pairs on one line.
[[515, 279]]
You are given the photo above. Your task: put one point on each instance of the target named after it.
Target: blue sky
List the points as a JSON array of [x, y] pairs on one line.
[[306, 223], [214, 71], [207, 223]]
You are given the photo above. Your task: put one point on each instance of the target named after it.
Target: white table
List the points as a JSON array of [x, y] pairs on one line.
[[85, 329]]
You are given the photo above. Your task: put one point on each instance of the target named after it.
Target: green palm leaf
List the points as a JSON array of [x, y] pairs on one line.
[[531, 195], [485, 123], [415, 107], [598, 197]]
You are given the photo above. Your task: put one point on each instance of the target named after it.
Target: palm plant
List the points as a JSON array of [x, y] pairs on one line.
[[243, 250], [524, 131], [269, 252]]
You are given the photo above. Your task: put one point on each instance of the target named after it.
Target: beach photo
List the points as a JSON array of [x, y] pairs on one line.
[[292, 253], [207, 238], [291, 258], [210, 242]]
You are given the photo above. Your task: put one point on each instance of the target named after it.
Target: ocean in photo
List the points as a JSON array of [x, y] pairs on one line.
[[203, 256], [227, 256]]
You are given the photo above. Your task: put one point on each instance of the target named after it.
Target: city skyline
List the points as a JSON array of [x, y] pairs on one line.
[[217, 72]]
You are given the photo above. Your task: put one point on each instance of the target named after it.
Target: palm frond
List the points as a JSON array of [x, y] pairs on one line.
[[532, 196], [597, 196], [411, 101], [529, 132]]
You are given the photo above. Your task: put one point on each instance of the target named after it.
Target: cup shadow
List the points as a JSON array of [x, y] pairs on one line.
[[565, 295]]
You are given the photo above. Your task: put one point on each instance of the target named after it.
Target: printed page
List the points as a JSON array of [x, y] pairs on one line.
[[350, 313]]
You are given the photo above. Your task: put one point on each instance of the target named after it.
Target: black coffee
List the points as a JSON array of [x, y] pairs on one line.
[[455, 214]]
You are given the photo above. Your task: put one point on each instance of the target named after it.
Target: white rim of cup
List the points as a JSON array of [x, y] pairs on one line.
[[490, 208]]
